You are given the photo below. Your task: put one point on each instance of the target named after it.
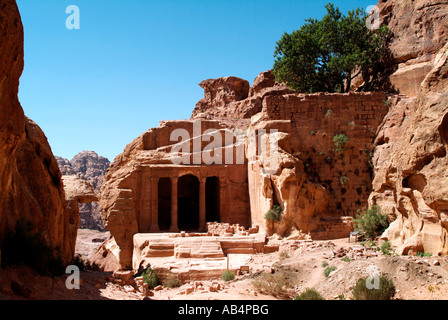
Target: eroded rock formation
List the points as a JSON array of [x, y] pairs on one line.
[[30, 180], [77, 191], [420, 30], [410, 149], [91, 167], [410, 180]]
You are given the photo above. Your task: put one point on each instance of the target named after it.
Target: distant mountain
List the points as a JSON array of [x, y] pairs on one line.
[[89, 166]]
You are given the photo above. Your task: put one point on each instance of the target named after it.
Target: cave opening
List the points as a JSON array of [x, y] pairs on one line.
[[188, 203]]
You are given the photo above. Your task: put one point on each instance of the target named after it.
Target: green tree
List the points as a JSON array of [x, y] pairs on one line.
[[371, 222], [326, 55]]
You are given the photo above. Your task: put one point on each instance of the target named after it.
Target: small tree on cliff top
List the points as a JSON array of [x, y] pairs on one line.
[[326, 55]]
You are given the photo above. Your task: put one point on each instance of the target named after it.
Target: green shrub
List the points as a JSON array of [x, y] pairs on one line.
[[85, 265], [386, 248], [25, 246], [424, 254], [346, 259], [386, 290], [339, 141], [370, 222], [309, 294], [151, 277], [274, 214], [324, 264], [329, 270], [228, 275]]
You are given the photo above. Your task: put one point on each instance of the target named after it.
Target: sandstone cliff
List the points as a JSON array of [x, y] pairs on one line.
[[419, 30], [410, 177], [30, 180], [91, 167], [410, 149]]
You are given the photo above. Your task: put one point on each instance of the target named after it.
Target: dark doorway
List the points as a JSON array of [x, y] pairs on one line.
[[212, 199], [164, 204], [188, 203]]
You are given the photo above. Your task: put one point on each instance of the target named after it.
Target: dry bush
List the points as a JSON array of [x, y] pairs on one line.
[[274, 284]]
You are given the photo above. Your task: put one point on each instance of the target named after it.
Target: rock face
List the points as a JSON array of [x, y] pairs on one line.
[[420, 30], [76, 191], [30, 180], [410, 149], [232, 98], [91, 167], [410, 178]]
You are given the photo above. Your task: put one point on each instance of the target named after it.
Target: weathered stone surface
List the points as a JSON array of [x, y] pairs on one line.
[[410, 182], [87, 165], [198, 257], [220, 92], [231, 98], [30, 180], [315, 183], [77, 191], [420, 30]]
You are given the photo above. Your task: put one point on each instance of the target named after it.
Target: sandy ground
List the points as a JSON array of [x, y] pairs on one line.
[[302, 265]]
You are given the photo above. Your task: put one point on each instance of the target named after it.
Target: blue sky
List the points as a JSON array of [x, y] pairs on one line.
[[134, 63]]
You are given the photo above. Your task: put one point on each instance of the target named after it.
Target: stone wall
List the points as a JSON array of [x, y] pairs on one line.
[[315, 120]]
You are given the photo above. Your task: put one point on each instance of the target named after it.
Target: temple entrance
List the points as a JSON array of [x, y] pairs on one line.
[[212, 200], [164, 211], [188, 203]]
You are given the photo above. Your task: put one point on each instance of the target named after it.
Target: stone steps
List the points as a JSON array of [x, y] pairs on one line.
[[198, 248]]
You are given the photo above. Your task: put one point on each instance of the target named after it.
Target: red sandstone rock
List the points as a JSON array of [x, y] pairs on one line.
[[30, 180], [420, 30], [410, 182], [77, 191]]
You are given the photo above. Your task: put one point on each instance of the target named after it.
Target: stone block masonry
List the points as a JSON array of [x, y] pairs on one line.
[[344, 169]]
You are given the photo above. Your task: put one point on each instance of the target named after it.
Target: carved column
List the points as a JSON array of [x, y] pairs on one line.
[[145, 210], [154, 205], [202, 206], [174, 212]]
